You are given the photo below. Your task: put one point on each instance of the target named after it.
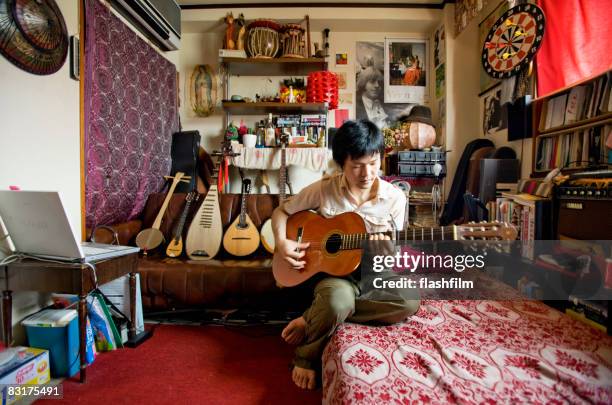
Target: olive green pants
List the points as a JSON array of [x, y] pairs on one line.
[[337, 300]]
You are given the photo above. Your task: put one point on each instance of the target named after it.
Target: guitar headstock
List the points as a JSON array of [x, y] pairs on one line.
[[246, 186], [284, 139], [192, 196], [486, 231], [178, 177]]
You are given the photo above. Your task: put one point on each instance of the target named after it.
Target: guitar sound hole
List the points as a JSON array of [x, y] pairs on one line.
[[333, 243]]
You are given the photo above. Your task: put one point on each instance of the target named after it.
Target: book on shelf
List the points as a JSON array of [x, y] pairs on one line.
[[579, 103], [572, 150], [530, 214]]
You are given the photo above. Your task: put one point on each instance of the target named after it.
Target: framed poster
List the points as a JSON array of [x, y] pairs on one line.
[[406, 62], [486, 81], [369, 83], [494, 117]]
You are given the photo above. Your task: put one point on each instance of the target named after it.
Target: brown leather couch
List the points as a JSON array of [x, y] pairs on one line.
[[225, 282]]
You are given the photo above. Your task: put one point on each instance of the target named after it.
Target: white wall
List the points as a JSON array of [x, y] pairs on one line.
[[39, 140], [463, 81]]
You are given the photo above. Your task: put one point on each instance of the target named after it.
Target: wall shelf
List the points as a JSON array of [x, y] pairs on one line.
[[241, 108], [273, 66]]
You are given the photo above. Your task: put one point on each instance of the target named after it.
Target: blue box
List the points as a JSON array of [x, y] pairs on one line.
[[56, 330]]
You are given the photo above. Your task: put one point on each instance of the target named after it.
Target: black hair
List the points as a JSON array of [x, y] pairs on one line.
[[357, 139]]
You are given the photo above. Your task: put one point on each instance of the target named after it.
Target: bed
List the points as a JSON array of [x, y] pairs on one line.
[[470, 352]]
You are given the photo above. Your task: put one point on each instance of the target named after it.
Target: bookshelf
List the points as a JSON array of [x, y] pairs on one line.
[[571, 127]]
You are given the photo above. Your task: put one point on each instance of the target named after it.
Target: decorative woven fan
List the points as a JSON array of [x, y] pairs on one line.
[[33, 35], [203, 90]]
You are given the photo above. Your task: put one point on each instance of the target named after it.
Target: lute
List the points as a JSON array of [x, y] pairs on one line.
[[150, 238], [335, 243], [175, 247], [242, 237], [205, 232], [267, 234]]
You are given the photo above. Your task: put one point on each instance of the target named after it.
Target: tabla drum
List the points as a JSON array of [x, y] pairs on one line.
[[263, 39], [293, 41]]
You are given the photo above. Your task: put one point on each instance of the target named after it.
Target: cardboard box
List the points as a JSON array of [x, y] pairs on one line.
[[27, 366]]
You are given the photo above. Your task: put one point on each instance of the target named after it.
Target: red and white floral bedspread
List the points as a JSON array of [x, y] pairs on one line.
[[470, 352]]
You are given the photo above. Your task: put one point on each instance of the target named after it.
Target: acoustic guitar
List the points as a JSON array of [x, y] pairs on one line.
[[150, 238], [335, 242], [267, 234], [175, 247], [242, 237], [205, 232]]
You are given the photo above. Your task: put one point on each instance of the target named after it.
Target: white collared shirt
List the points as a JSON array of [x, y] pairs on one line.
[[330, 197]]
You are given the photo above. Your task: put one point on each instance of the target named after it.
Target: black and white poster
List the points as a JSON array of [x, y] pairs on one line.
[[369, 87], [494, 116]]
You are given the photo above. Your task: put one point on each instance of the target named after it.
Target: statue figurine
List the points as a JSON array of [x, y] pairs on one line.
[[229, 32], [242, 24]]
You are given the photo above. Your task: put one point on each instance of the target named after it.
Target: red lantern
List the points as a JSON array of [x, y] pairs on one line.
[[322, 87]]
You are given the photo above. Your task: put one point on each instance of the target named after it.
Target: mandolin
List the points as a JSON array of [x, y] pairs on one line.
[[242, 237], [267, 234], [150, 238], [175, 247], [335, 242], [205, 232]]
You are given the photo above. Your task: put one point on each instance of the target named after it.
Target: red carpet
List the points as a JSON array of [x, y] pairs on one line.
[[193, 365]]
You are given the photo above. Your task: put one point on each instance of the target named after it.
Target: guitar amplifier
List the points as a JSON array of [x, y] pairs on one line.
[[583, 210], [417, 163]]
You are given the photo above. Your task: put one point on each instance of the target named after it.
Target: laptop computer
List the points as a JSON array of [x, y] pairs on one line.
[[38, 225]]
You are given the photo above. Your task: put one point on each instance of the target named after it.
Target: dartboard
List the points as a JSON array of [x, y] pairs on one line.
[[513, 41]]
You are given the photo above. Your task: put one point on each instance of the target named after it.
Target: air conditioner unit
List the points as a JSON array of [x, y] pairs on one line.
[[158, 20]]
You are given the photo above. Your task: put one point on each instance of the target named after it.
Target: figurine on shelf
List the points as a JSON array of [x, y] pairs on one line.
[[326, 42], [232, 132], [318, 53], [229, 32], [241, 32]]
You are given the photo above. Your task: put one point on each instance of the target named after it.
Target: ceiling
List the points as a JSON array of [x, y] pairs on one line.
[[311, 3]]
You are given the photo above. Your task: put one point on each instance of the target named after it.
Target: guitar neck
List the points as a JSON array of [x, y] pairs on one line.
[[353, 241], [181, 223], [243, 209], [282, 179], [164, 206]]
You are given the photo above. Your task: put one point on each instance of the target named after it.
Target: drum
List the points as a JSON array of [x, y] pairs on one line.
[[293, 41], [263, 39]]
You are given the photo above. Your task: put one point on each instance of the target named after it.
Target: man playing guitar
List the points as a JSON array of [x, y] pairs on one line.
[[358, 148]]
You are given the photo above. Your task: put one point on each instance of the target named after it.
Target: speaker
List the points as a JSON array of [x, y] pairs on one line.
[[493, 171], [519, 119], [184, 153]]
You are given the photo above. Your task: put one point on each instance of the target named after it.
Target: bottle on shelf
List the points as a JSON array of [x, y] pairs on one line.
[[270, 137], [260, 135]]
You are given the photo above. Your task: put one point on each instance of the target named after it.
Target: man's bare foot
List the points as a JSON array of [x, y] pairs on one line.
[[304, 378], [295, 331]]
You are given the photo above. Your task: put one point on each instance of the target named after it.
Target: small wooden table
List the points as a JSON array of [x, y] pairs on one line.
[[69, 278]]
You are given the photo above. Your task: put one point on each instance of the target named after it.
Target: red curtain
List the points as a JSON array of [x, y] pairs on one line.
[[576, 42]]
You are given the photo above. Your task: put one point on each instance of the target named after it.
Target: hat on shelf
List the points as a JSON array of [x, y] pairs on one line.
[[418, 113]]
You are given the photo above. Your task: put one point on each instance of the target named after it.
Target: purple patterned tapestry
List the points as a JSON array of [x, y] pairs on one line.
[[131, 112]]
